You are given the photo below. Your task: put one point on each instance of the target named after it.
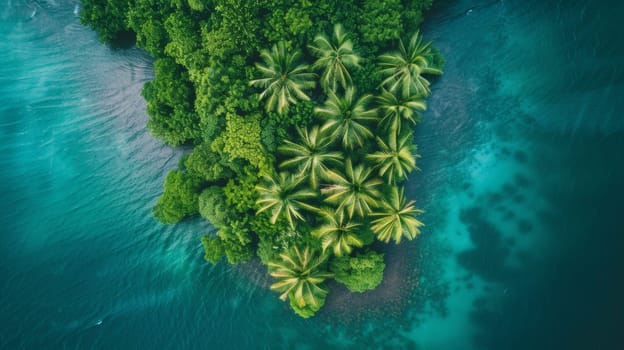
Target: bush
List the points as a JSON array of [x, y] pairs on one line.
[[308, 310], [209, 165], [170, 104], [179, 199], [212, 206], [213, 249], [361, 272]]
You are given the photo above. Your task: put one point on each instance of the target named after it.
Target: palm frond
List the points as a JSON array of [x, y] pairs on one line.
[[396, 218], [283, 80], [357, 192], [300, 277], [346, 120], [404, 70], [335, 58]]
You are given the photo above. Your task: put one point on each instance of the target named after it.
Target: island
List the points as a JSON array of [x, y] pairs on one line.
[[299, 117]]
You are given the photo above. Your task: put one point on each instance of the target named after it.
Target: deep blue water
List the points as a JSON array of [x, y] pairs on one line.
[[522, 181]]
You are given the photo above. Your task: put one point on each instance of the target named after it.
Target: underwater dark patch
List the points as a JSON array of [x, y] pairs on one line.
[[521, 156], [487, 258]]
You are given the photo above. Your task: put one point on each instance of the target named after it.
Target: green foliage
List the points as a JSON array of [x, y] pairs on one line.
[[240, 192], [241, 139], [396, 218], [307, 310], [298, 20], [395, 159], [147, 19], [210, 124], [238, 98], [338, 232], [300, 275], [397, 110], [277, 238], [205, 163], [267, 136], [438, 61], [359, 273], [237, 252], [413, 13], [283, 197], [261, 225], [346, 118], [380, 22], [179, 199], [367, 78], [292, 21], [185, 41], [311, 157], [404, 69], [283, 78], [300, 116], [170, 104], [267, 249], [108, 18], [278, 127], [199, 5], [357, 191], [237, 239], [335, 58], [213, 249], [237, 230], [236, 32], [222, 90], [213, 207]]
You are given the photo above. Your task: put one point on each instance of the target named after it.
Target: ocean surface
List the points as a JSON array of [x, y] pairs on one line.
[[522, 182]]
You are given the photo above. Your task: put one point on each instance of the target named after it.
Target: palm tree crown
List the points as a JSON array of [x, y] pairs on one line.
[[396, 110], [346, 118], [396, 219], [338, 232], [405, 69], [311, 155], [395, 159], [335, 58], [281, 196], [283, 80], [300, 277], [356, 192]]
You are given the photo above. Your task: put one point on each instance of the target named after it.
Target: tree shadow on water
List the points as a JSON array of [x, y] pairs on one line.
[[568, 296], [488, 257], [382, 318]]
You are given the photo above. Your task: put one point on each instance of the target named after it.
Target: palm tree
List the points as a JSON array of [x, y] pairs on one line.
[[338, 232], [335, 58], [283, 80], [396, 218], [395, 159], [356, 192], [311, 155], [396, 110], [300, 277], [405, 69], [281, 196], [346, 118]]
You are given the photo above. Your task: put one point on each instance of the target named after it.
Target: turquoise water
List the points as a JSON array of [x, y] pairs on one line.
[[522, 168]]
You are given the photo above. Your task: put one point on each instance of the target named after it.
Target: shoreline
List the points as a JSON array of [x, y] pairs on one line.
[[397, 293]]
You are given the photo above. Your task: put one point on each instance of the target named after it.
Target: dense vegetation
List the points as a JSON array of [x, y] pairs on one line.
[[300, 115]]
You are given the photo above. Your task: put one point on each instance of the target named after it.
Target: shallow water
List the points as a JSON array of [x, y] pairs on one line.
[[522, 166]]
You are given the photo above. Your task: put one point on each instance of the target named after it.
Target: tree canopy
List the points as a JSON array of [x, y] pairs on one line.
[[360, 272], [297, 120]]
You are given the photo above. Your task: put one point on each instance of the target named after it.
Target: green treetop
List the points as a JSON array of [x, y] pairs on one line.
[[284, 80]]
